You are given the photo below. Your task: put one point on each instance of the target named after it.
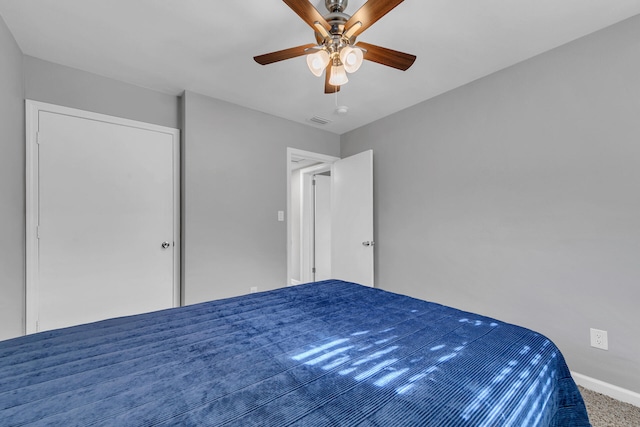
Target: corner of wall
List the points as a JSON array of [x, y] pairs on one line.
[[12, 185]]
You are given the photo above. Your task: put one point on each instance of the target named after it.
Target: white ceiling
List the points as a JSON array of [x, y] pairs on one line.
[[207, 46]]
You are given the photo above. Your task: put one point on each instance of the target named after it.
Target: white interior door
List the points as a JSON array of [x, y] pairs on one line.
[[352, 219], [322, 227], [313, 204], [106, 202]]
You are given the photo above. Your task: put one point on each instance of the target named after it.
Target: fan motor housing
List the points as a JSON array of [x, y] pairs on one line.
[[336, 5], [337, 21], [336, 18]]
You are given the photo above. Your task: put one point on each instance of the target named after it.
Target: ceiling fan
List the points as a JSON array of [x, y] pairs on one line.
[[336, 52]]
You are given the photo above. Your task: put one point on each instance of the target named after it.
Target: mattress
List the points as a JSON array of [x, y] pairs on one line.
[[329, 353]]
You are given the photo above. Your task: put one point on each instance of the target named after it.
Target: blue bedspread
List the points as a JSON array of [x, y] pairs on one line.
[[322, 354]]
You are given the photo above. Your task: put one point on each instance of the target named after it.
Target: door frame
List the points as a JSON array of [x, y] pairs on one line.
[[33, 109], [294, 153]]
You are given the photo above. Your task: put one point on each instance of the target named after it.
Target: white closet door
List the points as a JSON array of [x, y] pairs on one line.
[[106, 205]]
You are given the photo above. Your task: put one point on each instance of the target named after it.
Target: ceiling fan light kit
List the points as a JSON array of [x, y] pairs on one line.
[[337, 52], [351, 58], [338, 75], [318, 61]]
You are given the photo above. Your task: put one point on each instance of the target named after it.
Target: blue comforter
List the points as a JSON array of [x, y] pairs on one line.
[[323, 354]]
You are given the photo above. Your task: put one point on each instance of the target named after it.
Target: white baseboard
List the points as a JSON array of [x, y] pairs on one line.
[[610, 390], [294, 282]]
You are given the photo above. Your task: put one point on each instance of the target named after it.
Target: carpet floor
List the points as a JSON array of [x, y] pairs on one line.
[[605, 411]]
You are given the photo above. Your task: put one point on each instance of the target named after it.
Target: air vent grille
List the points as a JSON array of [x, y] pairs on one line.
[[319, 120]]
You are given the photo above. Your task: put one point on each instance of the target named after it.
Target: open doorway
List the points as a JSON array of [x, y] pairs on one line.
[[347, 242], [309, 216]]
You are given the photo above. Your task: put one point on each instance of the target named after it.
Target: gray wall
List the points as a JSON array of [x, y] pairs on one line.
[[518, 196], [56, 84], [235, 182], [12, 213]]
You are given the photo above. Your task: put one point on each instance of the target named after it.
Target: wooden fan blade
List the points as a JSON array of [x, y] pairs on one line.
[[308, 13], [391, 58], [281, 55], [369, 13], [329, 88]]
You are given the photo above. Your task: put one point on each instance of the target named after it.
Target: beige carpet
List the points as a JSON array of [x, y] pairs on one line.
[[605, 411]]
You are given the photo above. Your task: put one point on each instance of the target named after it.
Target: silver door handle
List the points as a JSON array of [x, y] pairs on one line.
[[368, 243], [165, 245]]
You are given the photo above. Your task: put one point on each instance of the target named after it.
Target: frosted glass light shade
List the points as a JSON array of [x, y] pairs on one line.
[[351, 58], [338, 76], [317, 62]]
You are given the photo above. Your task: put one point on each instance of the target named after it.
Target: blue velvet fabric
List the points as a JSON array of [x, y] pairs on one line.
[[321, 354]]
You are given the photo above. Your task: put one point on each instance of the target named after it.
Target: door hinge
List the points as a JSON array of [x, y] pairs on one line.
[[313, 182], [313, 270], [38, 138], [37, 231]]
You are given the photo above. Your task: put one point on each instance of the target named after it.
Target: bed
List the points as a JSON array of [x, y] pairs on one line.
[[329, 353]]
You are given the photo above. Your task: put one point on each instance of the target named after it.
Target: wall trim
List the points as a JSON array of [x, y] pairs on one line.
[[610, 390]]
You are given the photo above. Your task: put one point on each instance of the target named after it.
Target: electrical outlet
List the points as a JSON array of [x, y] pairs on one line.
[[599, 339], [253, 289]]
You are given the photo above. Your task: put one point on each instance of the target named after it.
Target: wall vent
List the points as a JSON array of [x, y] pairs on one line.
[[319, 120]]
